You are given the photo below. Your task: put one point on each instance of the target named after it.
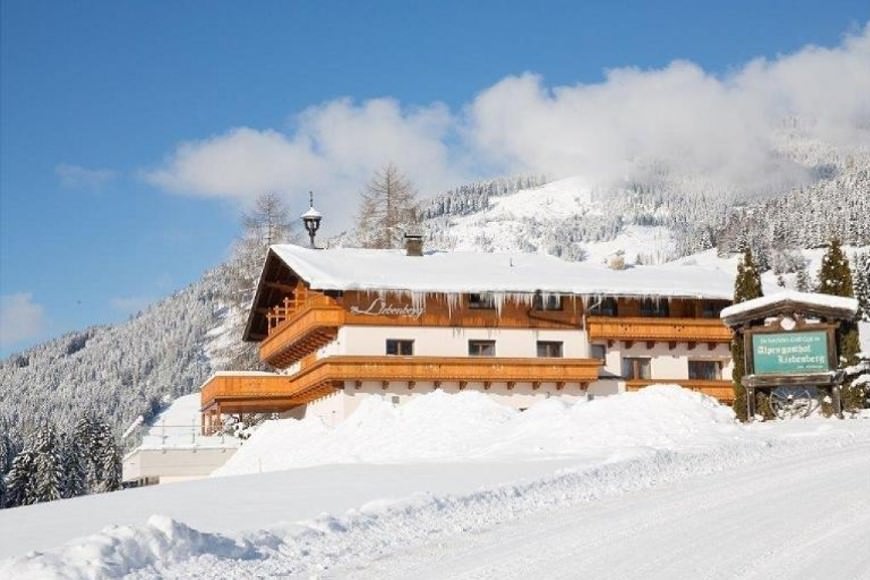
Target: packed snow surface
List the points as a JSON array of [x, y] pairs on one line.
[[471, 426], [462, 272], [649, 484]]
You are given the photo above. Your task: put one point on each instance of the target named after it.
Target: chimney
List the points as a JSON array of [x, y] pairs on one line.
[[413, 244]]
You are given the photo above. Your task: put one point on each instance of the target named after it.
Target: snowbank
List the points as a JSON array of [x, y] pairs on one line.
[[471, 426]]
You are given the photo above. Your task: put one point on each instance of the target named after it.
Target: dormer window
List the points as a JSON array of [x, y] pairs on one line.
[[482, 301]]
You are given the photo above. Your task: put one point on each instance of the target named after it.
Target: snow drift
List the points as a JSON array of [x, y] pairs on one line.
[[471, 426]]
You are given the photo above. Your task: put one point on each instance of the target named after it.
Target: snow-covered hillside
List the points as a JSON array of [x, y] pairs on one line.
[[658, 469]]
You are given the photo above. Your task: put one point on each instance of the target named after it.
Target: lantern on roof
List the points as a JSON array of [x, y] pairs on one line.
[[311, 219]]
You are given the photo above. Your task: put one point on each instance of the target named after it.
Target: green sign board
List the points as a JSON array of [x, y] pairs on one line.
[[790, 353]]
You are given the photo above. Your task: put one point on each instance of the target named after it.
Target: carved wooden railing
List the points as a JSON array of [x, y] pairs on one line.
[[309, 327], [245, 391], [720, 389], [657, 329]]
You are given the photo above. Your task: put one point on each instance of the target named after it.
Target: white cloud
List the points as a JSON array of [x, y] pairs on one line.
[[719, 126], [334, 150], [78, 177], [20, 318]]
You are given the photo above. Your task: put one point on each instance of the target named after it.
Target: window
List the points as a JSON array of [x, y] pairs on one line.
[[547, 302], [598, 351], [485, 301], [711, 309], [481, 348], [636, 368], [549, 349], [400, 347], [603, 307], [658, 308], [705, 370]]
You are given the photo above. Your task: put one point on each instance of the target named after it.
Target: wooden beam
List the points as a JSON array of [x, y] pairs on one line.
[[672, 345], [385, 385], [560, 385], [282, 287], [692, 345], [486, 385], [650, 344], [357, 385], [511, 385], [711, 346], [411, 385], [536, 385], [462, 385]]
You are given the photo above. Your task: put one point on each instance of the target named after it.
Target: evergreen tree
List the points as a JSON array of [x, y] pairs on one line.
[[862, 285], [835, 278], [85, 435], [109, 458], [747, 286], [48, 466], [75, 479], [388, 207], [21, 480]]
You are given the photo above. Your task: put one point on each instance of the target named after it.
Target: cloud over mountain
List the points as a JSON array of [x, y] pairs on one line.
[[679, 116]]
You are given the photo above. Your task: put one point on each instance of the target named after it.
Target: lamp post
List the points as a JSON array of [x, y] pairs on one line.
[[311, 219]]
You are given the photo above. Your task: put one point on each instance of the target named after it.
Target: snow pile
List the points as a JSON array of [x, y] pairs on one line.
[[120, 550], [471, 426]]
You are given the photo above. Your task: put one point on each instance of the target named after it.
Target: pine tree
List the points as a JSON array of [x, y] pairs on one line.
[[109, 458], [75, 479], [747, 286], [48, 466], [388, 206], [21, 479], [862, 284], [85, 436], [803, 282], [835, 278]]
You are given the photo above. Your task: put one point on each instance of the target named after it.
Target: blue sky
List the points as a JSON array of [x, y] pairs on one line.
[[103, 208]]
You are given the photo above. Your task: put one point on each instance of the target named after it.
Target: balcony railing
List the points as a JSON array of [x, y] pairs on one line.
[[657, 329], [312, 326], [264, 392], [721, 390]]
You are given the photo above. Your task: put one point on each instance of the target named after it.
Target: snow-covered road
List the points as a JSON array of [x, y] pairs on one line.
[[796, 517]]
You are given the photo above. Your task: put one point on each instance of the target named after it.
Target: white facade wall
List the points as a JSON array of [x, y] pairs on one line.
[[666, 363], [451, 341]]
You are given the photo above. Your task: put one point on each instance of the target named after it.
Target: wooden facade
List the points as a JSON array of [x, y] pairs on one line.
[[630, 329]]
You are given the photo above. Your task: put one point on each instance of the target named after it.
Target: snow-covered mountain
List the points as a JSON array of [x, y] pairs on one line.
[[132, 368]]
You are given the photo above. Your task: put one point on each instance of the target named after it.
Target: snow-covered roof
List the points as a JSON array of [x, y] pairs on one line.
[[848, 306], [464, 272]]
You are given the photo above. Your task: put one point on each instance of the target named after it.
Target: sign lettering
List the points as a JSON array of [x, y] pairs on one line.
[[789, 353], [380, 307]]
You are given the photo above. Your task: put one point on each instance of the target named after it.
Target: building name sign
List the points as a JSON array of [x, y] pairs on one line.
[[380, 307], [788, 353]]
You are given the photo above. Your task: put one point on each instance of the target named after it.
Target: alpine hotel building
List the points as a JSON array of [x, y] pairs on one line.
[[339, 325]]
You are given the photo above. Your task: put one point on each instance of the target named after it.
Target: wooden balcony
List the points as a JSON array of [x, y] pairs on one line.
[[721, 390], [311, 327], [265, 392], [671, 330]]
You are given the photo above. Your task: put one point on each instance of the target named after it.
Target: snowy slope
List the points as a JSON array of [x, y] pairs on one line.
[[681, 474]]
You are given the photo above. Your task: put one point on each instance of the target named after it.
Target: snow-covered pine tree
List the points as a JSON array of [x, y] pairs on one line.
[[85, 435], [387, 208], [21, 479], [48, 466], [75, 480], [747, 286], [109, 458], [862, 284], [803, 281], [835, 278]]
